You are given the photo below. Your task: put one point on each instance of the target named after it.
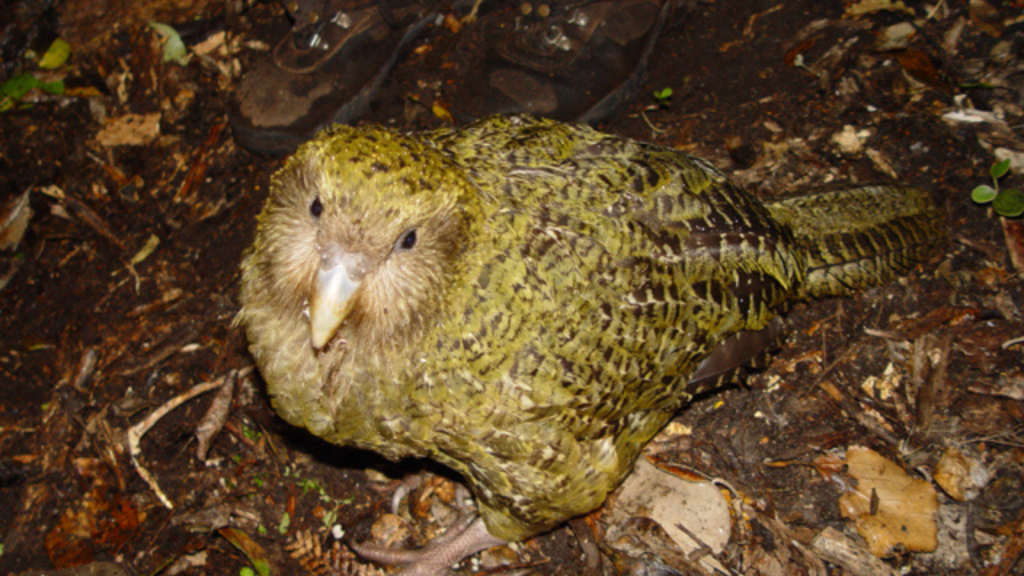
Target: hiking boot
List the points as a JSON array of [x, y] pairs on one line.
[[574, 61], [326, 70]]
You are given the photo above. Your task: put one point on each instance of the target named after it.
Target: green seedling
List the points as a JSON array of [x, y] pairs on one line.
[[251, 433], [15, 88], [663, 96], [56, 55], [174, 47], [1007, 202]]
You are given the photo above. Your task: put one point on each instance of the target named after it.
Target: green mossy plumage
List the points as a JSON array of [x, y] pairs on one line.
[[565, 286]]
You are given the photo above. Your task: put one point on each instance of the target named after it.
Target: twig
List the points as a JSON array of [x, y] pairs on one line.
[[86, 367], [855, 348], [1013, 342], [643, 114], [992, 252], [837, 548], [885, 334], [934, 393], [187, 192], [135, 433], [84, 213], [215, 417]]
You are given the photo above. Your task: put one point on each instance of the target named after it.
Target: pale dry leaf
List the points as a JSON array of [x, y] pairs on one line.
[[848, 553], [850, 140], [895, 37], [14, 221], [186, 563], [130, 130], [890, 508], [672, 501], [961, 474], [871, 6], [151, 244]]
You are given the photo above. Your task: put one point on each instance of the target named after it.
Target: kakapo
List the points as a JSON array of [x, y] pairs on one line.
[[529, 302]]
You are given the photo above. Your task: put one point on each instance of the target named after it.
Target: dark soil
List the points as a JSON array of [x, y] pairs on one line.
[[760, 89]]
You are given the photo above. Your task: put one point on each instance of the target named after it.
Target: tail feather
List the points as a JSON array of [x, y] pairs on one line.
[[860, 236]]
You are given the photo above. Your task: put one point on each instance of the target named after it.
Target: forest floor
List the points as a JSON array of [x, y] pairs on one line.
[[137, 205]]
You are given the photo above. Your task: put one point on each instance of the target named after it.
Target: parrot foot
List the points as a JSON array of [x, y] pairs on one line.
[[466, 537]]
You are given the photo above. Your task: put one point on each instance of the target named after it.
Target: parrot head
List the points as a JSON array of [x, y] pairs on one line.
[[363, 232]]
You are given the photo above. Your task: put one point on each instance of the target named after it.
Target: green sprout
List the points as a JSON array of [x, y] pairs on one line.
[[661, 98], [329, 518], [174, 47], [308, 485], [1008, 202], [251, 433], [15, 88], [56, 55]]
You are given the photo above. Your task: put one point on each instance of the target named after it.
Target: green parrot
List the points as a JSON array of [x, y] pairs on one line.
[[529, 302]]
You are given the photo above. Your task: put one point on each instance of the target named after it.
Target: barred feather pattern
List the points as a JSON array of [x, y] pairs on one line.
[[572, 290]]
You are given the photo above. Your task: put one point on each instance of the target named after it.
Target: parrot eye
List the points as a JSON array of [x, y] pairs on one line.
[[316, 208], [407, 240]]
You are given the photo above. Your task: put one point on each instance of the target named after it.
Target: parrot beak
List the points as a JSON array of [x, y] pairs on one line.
[[338, 278]]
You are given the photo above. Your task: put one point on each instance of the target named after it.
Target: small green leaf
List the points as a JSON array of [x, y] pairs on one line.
[[663, 94], [56, 55], [329, 518], [15, 88], [983, 194], [18, 86], [999, 169], [1009, 203], [246, 571], [251, 433], [253, 551], [55, 87], [174, 47], [286, 521]]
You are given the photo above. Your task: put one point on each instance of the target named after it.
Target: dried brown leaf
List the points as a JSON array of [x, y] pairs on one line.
[[254, 552], [215, 417], [871, 6], [694, 514], [986, 17], [14, 221], [130, 130], [891, 509], [1013, 230], [960, 474], [919, 66]]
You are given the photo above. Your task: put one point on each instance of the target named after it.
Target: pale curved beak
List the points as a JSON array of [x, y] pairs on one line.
[[337, 280]]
